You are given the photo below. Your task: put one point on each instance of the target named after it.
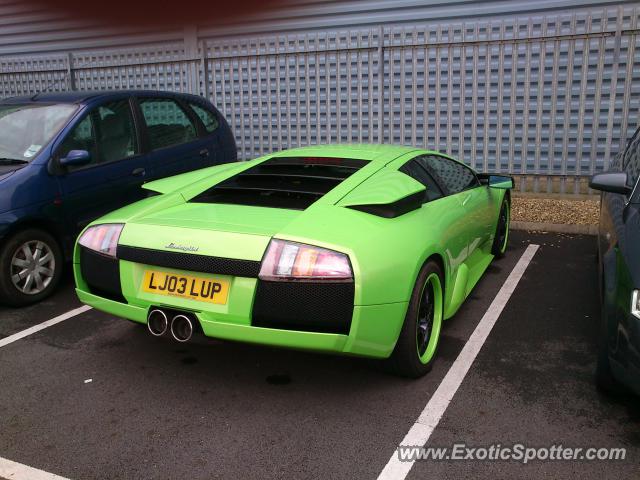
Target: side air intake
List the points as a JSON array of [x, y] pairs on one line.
[[394, 209]]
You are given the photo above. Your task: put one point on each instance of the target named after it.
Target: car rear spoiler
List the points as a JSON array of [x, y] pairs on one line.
[[388, 194]]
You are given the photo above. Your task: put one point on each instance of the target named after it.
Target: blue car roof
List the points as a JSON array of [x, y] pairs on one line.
[[85, 97]]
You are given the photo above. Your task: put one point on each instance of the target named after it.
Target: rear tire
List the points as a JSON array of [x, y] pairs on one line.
[[30, 267], [417, 344], [501, 239]]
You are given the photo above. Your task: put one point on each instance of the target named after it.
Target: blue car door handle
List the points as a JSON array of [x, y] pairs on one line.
[[204, 152], [138, 172]]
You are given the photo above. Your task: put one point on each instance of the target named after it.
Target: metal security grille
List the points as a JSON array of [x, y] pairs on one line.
[[162, 68], [298, 90], [551, 96], [546, 96], [26, 76]]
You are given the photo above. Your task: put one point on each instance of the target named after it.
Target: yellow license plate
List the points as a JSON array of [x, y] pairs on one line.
[[186, 286]]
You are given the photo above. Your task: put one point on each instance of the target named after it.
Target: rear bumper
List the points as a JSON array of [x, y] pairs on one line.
[[320, 317], [374, 328]]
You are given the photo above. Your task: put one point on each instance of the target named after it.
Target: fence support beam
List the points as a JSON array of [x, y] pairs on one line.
[[205, 70], [191, 51], [70, 74]]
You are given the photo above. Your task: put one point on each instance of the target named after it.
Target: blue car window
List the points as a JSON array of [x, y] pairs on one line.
[[208, 118], [82, 137], [107, 133], [115, 131], [26, 128], [167, 123]]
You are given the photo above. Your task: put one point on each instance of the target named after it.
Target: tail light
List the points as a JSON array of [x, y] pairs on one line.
[[102, 238], [286, 260]]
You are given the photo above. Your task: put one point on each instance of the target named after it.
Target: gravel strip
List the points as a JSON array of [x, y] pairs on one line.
[[545, 210]]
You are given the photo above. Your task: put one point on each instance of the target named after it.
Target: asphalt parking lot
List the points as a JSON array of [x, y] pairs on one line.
[[157, 409]]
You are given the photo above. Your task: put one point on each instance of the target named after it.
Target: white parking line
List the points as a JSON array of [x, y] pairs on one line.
[[16, 471], [41, 326], [428, 420]]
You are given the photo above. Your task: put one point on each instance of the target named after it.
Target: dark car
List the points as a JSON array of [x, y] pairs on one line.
[[69, 158], [619, 261]]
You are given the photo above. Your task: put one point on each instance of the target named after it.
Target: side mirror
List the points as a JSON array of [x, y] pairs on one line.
[[501, 182], [612, 182], [76, 158]]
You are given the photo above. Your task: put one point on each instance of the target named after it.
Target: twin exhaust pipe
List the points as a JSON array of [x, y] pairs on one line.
[[181, 325]]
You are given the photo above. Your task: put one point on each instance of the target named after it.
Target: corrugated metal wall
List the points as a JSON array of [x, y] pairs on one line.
[[549, 89]]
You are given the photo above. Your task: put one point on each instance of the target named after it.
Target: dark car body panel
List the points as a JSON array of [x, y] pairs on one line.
[[43, 194], [619, 261]]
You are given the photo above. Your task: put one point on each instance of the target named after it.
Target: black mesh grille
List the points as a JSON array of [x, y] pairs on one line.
[[304, 306], [190, 261], [102, 274]]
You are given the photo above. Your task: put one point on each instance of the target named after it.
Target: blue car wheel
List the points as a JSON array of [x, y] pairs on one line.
[[30, 267]]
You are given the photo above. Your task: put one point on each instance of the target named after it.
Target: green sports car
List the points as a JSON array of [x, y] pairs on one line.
[[359, 250]]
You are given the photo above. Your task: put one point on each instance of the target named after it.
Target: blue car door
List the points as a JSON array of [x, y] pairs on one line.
[[222, 147], [172, 138], [115, 172]]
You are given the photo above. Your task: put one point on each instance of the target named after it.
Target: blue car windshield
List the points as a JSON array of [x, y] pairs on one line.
[[26, 129]]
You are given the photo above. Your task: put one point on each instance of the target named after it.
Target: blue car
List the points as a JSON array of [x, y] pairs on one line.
[[69, 158]]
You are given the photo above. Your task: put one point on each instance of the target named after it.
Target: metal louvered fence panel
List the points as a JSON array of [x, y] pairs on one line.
[[552, 96], [299, 90], [547, 96], [161, 68], [29, 75]]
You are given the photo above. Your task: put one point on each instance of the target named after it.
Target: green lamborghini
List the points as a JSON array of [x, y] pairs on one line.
[[358, 250]]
